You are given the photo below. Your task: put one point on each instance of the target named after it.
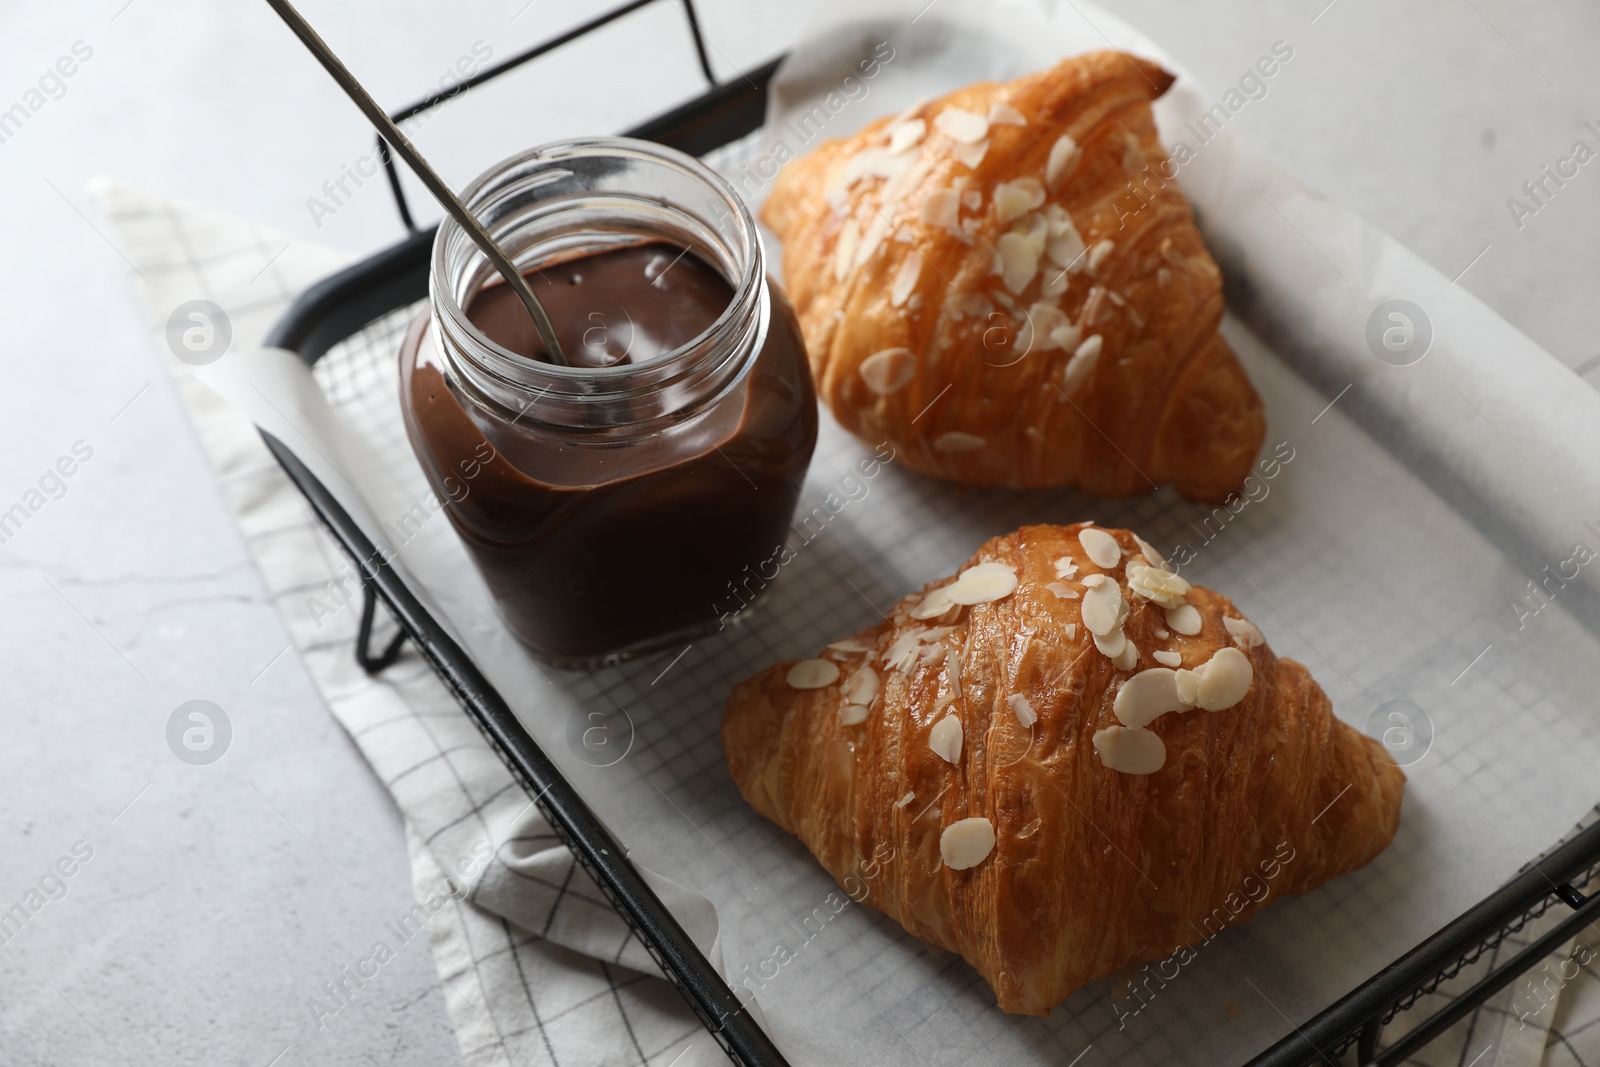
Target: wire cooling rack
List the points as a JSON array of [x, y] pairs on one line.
[[1427, 989]]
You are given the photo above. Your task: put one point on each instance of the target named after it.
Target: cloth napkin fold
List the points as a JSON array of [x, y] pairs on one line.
[[536, 966]]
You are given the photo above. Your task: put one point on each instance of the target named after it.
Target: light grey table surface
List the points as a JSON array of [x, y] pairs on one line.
[[219, 898]]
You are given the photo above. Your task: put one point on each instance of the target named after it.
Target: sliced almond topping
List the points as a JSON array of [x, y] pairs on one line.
[[941, 208], [970, 154], [1188, 686], [844, 253], [1128, 658], [958, 124], [1055, 283], [1245, 633], [1184, 619], [902, 135], [1156, 585], [854, 644], [853, 714], [1022, 709], [1043, 328], [1098, 254], [972, 200], [1067, 337], [945, 739], [966, 843], [1062, 590], [903, 653], [903, 801], [888, 371], [1019, 260], [1103, 606], [956, 441], [1130, 751], [1066, 567], [813, 674], [1151, 556], [1147, 696], [1063, 159], [1065, 246], [1082, 364], [861, 687], [933, 605], [983, 584], [1103, 549], [1111, 645], [1005, 115], [1016, 198], [1171, 659], [1226, 680], [1161, 635]]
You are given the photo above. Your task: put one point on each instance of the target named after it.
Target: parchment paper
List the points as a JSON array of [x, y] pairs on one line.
[[1391, 552]]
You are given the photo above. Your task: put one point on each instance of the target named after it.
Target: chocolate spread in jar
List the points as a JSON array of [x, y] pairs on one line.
[[592, 552]]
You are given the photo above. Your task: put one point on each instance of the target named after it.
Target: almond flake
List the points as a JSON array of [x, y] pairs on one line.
[[813, 674], [1161, 635], [903, 135], [1019, 260], [966, 843], [1098, 254], [1103, 606], [1014, 199], [1226, 680], [905, 279], [1066, 337], [941, 208], [844, 252], [1156, 585], [854, 645], [1130, 751], [1063, 160], [1188, 686], [1127, 659], [888, 371], [1151, 556], [1103, 549], [902, 654], [956, 441], [1146, 696], [1055, 283], [1005, 115], [861, 687], [1043, 328], [1184, 619], [945, 739], [1245, 633], [1111, 645], [972, 200], [1171, 659], [853, 714], [1066, 567], [933, 605], [1082, 364], [903, 801], [983, 584], [970, 154], [958, 124], [1062, 590], [1022, 710]]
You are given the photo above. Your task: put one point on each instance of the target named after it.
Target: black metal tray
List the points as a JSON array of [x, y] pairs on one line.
[[340, 306]]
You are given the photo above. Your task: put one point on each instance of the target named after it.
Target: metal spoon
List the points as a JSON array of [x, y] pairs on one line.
[[441, 192]]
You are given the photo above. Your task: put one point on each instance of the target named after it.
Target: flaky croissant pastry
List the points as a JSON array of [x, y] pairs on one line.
[[1063, 761], [1008, 285]]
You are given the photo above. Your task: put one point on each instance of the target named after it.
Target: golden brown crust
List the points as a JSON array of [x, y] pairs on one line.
[[1092, 868], [1166, 401]]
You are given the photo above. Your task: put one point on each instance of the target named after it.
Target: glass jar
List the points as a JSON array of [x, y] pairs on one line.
[[618, 508]]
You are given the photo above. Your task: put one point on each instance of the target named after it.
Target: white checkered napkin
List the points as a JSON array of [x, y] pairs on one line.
[[537, 968]]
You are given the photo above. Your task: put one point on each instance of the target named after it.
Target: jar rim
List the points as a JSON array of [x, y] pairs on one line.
[[519, 172]]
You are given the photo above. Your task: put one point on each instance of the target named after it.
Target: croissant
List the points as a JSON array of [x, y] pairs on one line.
[[1064, 760], [1008, 286]]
